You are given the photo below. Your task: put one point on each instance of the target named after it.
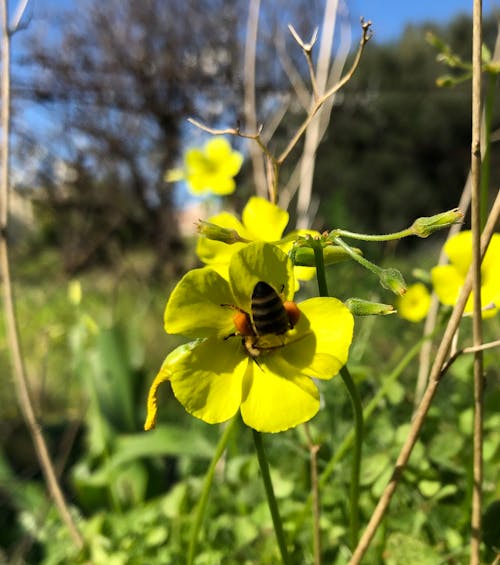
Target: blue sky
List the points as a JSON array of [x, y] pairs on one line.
[[390, 17]]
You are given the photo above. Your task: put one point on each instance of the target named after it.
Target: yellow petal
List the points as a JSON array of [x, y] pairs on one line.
[[208, 382], [174, 175], [414, 304], [332, 325], [164, 375], [459, 251], [152, 403], [199, 305], [264, 220], [277, 398], [447, 281]]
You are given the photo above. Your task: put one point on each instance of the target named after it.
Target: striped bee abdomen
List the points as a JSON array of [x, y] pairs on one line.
[[269, 315]]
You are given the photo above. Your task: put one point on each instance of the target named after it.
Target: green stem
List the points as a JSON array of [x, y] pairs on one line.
[[356, 463], [368, 237], [320, 267], [207, 484], [358, 258], [357, 408], [271, 499]]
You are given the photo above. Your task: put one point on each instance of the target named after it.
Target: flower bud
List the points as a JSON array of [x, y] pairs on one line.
[[218, 233], [423, 227], [360, 307], [392, 280], [304, 256]]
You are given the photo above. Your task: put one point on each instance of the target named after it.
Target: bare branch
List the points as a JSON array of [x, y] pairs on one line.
[[307, 50], [366, 35]]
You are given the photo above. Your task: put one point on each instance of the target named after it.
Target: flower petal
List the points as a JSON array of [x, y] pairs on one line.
[[331, 324], [415, 303], [264, 220], [163, 375], [196, 307], [209, 381], [259, 261], [219, 152], [447, 281], [459, 251], [274, 402]]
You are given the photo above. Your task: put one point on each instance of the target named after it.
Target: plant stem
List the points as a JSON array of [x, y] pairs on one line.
[[369, 237], [356, 405], [356, 463], [271, 499], [375, 269], [477, 470], [11, 322], [320, 268], [207, 484], [421, 413]]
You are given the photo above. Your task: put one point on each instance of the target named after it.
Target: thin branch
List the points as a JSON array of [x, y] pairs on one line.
[[434, 380], [234, 131], [477, 466], [472, 349], [307, 50], [11, 323], [347, 77], [292, 72], [259, 175]]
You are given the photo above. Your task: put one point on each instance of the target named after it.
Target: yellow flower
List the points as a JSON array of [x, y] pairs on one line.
[[211, 169], [414, 304], [267, 376], [260, 221], [448, 279]]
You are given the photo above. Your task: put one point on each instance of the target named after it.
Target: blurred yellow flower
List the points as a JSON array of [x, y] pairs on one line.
[[211, 169], [448, 279], [414, 304]]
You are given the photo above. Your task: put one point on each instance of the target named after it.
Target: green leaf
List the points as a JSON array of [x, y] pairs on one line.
[[164, 440], [402, 549]]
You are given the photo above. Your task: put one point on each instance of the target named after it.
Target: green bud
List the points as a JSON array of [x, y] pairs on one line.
[[360, 307], [423, 227], [304, 256], [392, 280], [217, 233]]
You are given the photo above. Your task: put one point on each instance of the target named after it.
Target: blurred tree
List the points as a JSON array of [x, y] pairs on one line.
[[122, 76]]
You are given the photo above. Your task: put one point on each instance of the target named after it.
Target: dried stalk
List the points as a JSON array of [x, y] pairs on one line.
[[477, 468], [19, 372]]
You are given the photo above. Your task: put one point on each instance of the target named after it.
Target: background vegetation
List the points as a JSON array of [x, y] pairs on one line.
[[116, 83]]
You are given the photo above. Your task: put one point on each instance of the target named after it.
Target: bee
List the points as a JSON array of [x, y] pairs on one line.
[[270, 316]]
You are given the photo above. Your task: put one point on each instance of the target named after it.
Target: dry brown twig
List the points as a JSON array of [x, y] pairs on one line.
[[275, 162]]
